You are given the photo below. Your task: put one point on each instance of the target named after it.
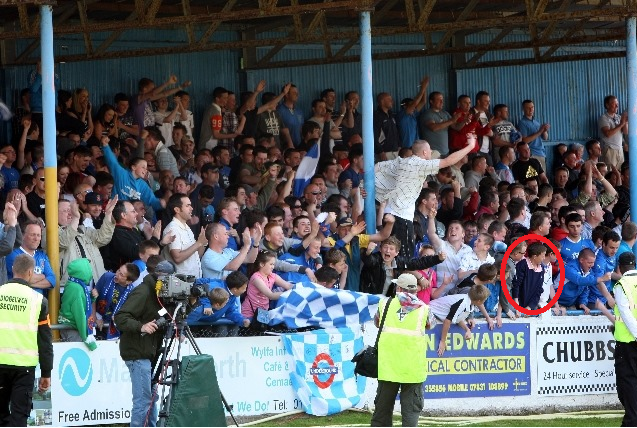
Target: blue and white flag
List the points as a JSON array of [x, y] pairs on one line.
[[323, 375], [306, 169], [307, 304]]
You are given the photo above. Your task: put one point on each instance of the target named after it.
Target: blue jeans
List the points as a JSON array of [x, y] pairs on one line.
[[144, 412]]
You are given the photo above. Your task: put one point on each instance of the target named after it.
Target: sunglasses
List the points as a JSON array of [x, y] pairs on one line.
[[298, 206], [41, 178], [316, 193]]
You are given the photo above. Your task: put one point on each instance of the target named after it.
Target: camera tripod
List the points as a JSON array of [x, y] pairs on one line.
[[176, 327]]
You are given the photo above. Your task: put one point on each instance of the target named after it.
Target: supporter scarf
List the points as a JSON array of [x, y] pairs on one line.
[[87, 294], [113, 333], [408, 302]]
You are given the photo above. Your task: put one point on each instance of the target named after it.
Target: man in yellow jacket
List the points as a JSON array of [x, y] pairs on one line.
[[401, 354], [25, 341], [625, 338]]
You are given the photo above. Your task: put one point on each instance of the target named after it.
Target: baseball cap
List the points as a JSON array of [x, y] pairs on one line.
[[249, 189], [406, 281], [627, 259], [164, 268], [93, 198], [345, 221]]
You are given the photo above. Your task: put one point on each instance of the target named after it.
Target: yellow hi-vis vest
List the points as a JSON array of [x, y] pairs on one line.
[[20, 308], [628, 283], [402, 345]]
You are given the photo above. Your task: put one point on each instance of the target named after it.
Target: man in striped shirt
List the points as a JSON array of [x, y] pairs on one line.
[[400, 181]]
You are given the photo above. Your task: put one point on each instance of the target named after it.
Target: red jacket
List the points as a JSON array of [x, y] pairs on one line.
[[458, 139]]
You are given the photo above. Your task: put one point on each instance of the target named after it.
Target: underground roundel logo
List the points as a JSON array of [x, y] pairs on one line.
[[75, 371], [323, 370]]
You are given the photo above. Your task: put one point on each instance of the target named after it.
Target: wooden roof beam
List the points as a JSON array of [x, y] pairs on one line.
[[530, 13], [497, 39], [240, 44], [88, 44], [611, 35], [411, 15], [425, 11], [185, 5], [327, 47], [463, 15], [23, 14], [153, 9], [235, 15], [618, 13], [66, 12], [559, 58], [296, 19], [551, 27]]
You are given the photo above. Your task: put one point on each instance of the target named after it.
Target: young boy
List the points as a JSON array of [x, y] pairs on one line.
[[457, 309], [605, 262], [548, 287], [222, 302], [573, 244], [527, 285], [579, 281], [380, 267], [478, 257], [336, 259], [146, 249], [486, 276], [327, 276]]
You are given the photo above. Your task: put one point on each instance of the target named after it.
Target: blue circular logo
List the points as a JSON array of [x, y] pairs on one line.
[[75, 371]]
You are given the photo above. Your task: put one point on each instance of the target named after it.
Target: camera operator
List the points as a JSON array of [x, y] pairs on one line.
[[139, 351]]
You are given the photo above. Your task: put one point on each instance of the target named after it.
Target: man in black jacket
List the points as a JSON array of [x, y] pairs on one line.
[[124, 245], [380, 267], [139, 344]]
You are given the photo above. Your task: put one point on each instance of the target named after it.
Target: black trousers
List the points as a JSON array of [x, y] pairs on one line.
[[16, 389], [626, 379], [404, 231], [411, 403]]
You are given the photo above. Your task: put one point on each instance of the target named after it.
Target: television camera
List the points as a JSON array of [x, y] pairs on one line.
[[178, 287]]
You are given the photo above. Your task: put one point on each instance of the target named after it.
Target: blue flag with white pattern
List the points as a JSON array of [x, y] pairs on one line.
[[308, 304], [306, 170], [323, 375]]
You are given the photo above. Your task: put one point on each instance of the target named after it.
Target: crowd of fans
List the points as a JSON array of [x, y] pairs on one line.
[[142, 179]]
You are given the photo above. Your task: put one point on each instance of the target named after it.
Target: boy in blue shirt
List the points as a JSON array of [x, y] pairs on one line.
[[573, 244], [580, 279], [605, 263], [221, 306]]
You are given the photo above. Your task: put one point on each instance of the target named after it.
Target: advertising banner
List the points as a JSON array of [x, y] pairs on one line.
[[575, 359], [491, 363], [90, 388]]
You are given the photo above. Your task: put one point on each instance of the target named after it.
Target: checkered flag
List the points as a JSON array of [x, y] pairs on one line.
[[307, 304], [323, 375]]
